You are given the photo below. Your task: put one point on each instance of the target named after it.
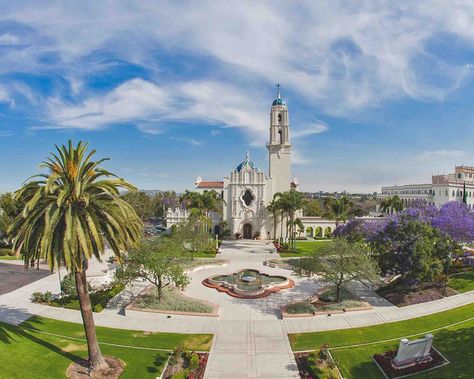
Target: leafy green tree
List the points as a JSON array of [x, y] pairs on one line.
[[70, 214], [412, 249], [141, 202], [10, 208], [160, 261], [340, 262], [313, 208]]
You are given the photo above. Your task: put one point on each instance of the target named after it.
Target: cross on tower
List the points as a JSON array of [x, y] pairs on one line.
[[278, 90]]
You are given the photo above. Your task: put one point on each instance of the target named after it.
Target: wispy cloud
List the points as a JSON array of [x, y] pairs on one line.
[[310, 130], [190, 141], [5, 133], [441, 154]]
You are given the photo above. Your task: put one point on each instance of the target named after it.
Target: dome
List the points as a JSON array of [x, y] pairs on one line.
[[247, 165], [278, 101]]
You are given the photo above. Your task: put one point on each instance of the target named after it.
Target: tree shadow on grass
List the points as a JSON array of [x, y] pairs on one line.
[[160, 361], [10, 332]]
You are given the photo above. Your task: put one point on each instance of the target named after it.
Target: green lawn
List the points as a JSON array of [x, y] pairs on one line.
[[9, 258], [455, 342], [304, 248], [27, 354], [462, 282]]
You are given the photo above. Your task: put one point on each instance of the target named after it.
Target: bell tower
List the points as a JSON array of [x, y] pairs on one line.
[[279, 146]]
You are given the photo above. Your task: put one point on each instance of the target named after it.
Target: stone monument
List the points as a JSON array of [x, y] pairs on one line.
[[411, 353]]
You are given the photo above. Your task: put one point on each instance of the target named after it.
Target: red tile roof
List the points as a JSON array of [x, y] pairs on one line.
[[210, 184]]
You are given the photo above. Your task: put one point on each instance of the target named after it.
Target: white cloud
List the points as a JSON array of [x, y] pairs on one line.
[[441, 154], [5, 133], [310, 130], [9, 39], [341, 56], [190, 141]]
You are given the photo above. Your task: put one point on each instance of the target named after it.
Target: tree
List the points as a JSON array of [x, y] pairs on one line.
[[411, 249], [70, 214], [390, 204], [10, 208], [291, 202], [337, 209], [455, 220], [273, 207], [340, 262], [312, 208], [141, 202], [160, 261]]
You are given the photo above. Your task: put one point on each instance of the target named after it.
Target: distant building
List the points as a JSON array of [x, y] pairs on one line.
[[442, 189]]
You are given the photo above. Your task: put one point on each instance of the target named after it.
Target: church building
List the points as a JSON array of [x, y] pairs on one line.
[[248, 190]]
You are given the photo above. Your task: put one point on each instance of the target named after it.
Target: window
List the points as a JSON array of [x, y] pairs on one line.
[[280, 137], [279, 117], [248, 197], [453, 193]]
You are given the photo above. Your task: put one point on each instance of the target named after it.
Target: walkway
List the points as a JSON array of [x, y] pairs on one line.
[[250, 339]]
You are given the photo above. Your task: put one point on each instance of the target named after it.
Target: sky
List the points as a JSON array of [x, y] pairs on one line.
[[379, 92]]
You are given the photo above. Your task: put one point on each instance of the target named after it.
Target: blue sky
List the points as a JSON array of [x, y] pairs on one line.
[[379, 92]]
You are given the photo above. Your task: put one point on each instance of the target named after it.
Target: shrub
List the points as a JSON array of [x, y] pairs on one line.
[[42, 297], [194, 361], [172, 300], [183, 374], [300, 307]]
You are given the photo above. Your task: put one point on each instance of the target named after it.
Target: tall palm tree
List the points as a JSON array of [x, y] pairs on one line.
[[292, 201], [71, 213], [273, 207]]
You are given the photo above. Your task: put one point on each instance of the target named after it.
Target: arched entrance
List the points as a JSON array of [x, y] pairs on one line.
[[247, 231]]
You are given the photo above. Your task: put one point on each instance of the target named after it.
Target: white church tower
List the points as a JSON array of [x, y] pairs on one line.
[[279, 146]]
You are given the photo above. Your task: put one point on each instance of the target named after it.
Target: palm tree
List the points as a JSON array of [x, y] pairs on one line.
[[390, 204], [273, 207], [292, 201], [338, 209], [70, 214]]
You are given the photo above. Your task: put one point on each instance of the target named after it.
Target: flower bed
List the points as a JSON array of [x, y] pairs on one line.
[[324, 304], [403, 296], [384, 362], [317, 364], [184, 364], [173, 301]]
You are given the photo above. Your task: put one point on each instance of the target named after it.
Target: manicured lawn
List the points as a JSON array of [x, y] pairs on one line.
[[462, 282], [9, 258], [34, 354], [304, 248], [455, 342]]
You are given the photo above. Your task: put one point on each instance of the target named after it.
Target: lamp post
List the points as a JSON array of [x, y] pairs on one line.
[[447, 274]]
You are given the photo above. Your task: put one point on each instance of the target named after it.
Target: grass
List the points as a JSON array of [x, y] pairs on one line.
[[455, 342], [172, 300], [49, 356], [462, 282], [5, 254], [99, 299], [305, 248]]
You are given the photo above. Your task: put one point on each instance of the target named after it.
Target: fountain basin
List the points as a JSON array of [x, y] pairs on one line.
[[248, 283]]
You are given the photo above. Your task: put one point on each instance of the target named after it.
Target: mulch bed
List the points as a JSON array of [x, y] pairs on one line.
[[403, 298], [80, 369], [383, 361], [195, 374]]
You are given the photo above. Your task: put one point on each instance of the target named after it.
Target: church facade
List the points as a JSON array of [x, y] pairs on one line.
[[248, 190]]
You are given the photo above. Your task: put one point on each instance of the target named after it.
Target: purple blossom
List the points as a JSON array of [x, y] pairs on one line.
[[456, 220]]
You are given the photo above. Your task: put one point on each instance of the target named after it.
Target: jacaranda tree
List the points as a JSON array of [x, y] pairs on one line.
[[72, 212]]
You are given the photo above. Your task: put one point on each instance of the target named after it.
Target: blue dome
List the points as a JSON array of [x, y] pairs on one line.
[[247, 165], [278, 101]]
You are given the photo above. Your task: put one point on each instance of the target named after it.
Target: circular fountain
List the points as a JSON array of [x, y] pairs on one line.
[[248, 284]]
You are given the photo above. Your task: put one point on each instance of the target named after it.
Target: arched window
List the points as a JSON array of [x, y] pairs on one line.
[[280, 137], [279, 117]]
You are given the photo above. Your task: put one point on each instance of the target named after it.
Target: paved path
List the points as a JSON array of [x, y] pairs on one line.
[[250, 339]]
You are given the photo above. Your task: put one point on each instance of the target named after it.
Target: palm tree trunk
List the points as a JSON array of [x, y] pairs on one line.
[[274, 225], [96, 360], [281, 227]]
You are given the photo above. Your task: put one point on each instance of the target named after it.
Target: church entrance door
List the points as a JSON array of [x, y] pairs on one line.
[[247, 231]]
